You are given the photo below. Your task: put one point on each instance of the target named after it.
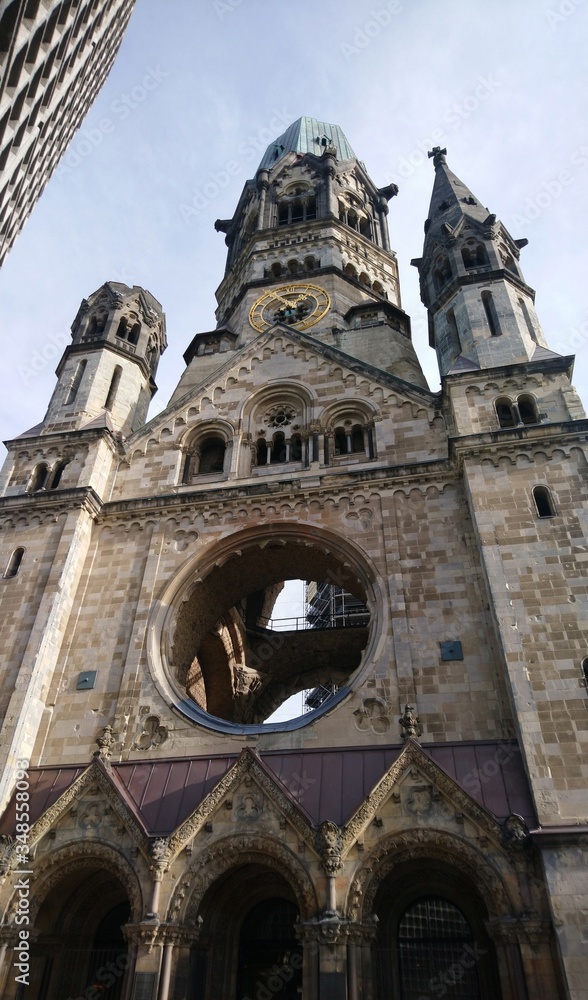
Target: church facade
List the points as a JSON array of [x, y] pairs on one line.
[[420, 830]]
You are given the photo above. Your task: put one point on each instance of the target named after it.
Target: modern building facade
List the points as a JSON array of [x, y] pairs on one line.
[[54, 57], [420, 832]]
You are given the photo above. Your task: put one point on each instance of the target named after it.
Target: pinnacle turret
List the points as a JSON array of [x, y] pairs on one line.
[[481, 311]]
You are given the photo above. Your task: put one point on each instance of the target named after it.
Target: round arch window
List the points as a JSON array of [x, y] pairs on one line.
[[228, 660]]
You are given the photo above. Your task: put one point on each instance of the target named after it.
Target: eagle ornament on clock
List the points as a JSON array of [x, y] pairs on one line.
[[299, 305]]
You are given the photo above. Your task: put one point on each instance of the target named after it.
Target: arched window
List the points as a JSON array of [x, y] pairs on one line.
[[351, 271], [311, 263], [510, 264], [76, 381], [261, 451], [340, 441], [474, 256], [543, 501], [56, 475], [433, 937], [528, 410], [296, 448], [365, 227], [122, 328], [505, 413], [293, 267], [296, 209], [491, 314], [39, 478], [276, 270], [278, 455], [441, 273], [357, 441], [364, 279], [13, 564], [114, 383], [212, 456]]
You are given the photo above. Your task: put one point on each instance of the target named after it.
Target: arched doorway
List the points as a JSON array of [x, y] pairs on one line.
[[432, 939], [248, 946], [269, 959], [79, 946]]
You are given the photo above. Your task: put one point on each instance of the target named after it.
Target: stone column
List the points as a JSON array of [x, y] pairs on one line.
[[360, 938], [146, 958], [8, 939], [262, 186], [505, 935], [382, 213], [329, 172]]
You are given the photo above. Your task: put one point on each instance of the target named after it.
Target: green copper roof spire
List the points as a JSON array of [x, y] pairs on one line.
[[308, 135]]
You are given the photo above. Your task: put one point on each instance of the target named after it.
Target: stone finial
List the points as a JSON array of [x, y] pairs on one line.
[[105, 744], [410, 723], [438, 155]]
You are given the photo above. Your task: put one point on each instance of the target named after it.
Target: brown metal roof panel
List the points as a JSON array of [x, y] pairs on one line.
[[332, 784], [516, 783], [165, 793], [46, 785], [301, 776]]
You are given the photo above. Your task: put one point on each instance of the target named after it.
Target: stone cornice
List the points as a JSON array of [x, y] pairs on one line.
[[558, 363], [55, 501], [67, 436], [511, 437], [330, 478]]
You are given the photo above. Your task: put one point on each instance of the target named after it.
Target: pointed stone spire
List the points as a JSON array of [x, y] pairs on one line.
[[451, 199], [481, 311]]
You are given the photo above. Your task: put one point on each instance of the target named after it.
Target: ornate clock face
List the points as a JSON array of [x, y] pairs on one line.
[[298, 305]]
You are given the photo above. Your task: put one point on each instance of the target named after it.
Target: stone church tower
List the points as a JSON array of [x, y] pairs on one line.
[[417, 831]]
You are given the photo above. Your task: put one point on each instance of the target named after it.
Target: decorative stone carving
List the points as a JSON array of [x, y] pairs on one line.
[[91, 816], [419, 801], [410, 723], [329, 844], [105, 743], [425, 845], [161, 855], [515, 832], [372, 716], [249, 808], [152, 735], [8, 858], [246, 768], [78, 857], [228, 853]]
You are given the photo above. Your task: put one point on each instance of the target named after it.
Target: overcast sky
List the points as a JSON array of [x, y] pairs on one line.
[[199, 84]]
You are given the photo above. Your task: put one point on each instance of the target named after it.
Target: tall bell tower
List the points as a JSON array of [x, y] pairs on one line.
[[481, 310]]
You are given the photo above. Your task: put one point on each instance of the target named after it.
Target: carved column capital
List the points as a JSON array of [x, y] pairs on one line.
[[329, 843], [161, 857]]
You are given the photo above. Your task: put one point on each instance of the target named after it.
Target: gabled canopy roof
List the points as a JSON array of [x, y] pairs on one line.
[[324, 784], [307, 135]]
